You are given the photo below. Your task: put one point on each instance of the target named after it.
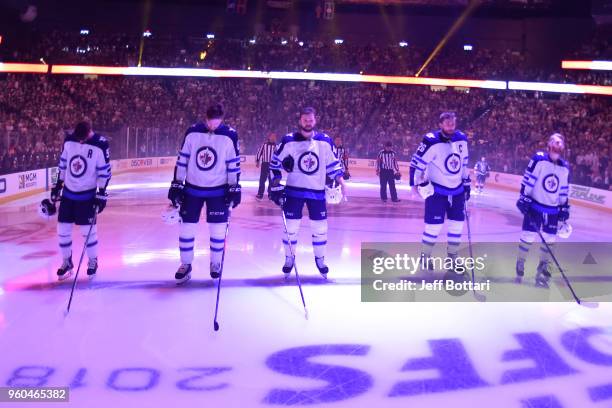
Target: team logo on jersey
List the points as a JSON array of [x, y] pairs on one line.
[[453, 163], [78, 166], [206, 158], [308, 163], [551, 183]]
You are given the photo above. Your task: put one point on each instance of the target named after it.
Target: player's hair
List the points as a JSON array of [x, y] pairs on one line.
[[307, 111], [388, 144], [215, 111], [447, 115], [559, 135], [81, 130]]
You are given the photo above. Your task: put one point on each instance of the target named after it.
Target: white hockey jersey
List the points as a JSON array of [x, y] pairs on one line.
[[208, 161], [443, 161], [313, 159], [546, 182], [84, 166]]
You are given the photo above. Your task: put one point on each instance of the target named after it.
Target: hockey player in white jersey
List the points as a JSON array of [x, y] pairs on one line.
[[207, 171], [440, 172], [308, 157], [84, 173], [543, 203]]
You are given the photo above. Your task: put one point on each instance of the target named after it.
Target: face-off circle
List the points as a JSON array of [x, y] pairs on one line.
[[453, 163], [78, 166], [308, 163], [206, 158], [551, 183]]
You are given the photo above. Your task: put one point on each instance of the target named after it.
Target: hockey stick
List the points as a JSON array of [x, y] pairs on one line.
[[590, 305], [215, 322], [478, 296], [297, 275], [76, 276]]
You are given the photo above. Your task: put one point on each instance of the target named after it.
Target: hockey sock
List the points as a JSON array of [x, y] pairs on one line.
[[293, 226], [430, 235], [550, 240], [319, 237], [92, 244], [454, 236], [527, 238], [64, 234], [187, 241], [217, 241]]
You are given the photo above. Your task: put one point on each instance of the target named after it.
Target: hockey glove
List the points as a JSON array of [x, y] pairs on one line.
[[564, 213], [425, 190], [277, 194], [467, 188], [100, 201], [288, 164], [56, 190], [467, 191], [233, 195], [524, 204], [175, 194]]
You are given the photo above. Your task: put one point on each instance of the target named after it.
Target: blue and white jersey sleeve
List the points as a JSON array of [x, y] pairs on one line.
[[232, 159], [182, 161], [531, 175], [280, 153], [103, 166], [333, 166], [424, 155], [63, 164]]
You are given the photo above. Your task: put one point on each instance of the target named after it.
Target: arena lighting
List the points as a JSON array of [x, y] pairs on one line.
[[152, 71], [284, 42], [309, 76], [596, 65], [210, 36], [313, 76], [456, 26], [338, 41], [252, 41], [147, 34], [467, 47], [403, 44], [560, 88], [24, 68], [84, 31], [301, 43]]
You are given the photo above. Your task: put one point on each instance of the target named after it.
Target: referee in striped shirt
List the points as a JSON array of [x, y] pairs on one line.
[[387, 170], [262, 160]]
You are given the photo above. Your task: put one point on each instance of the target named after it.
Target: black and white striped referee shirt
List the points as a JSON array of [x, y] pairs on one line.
[[265, 152], [386, 161], [342, 154]]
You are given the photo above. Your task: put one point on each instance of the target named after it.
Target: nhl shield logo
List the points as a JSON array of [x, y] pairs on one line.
[[308, 163], [206, 158], [453, 163], [551, 183], [78, 166]]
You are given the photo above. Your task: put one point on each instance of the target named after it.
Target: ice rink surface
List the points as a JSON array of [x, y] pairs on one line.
[[133, 338]]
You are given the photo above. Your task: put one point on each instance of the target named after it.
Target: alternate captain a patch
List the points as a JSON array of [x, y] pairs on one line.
[[308, 163], [206, 158]]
